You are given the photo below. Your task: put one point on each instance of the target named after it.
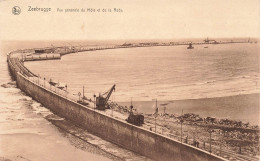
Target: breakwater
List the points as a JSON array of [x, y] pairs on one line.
[[63, 50], [134, 138]]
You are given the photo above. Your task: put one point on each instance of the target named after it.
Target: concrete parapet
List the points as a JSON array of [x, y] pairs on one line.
[[132, 137]]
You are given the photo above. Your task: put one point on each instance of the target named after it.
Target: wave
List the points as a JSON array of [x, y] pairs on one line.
[[9, 85]]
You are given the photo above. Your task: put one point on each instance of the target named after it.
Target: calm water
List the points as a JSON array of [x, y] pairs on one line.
[[168, 74], [26, 131]]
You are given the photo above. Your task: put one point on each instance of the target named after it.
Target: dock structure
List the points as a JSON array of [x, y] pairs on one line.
[[208, 41]]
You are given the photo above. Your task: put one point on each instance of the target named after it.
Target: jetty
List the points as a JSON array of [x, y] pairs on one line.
[[118, 131]]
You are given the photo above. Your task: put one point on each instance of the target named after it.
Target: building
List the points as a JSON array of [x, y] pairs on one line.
[[44, 50], [208, 41]]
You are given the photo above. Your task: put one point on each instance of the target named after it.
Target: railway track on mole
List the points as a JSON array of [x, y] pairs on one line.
[[21, 68]]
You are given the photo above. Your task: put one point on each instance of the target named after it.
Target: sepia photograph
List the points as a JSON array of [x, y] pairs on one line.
[[139, 80]]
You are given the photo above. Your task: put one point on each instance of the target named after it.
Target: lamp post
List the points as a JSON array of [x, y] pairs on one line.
[[83, 95], [94, 101], [38, 78], [79, 95], [50, 83], [210, 131], [164, 109], [155, 114], [181, 124], [187, 137], [194, 134], [66, 93]]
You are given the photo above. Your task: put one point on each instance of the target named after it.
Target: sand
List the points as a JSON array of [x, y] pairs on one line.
[[239, 107]]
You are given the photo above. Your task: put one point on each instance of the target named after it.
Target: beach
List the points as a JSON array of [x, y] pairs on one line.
[[240, 107]]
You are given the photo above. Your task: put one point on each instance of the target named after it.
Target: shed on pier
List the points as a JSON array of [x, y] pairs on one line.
[[44, 50]]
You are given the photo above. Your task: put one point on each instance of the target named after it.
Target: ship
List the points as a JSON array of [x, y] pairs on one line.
[[190, 46], [135, 119]]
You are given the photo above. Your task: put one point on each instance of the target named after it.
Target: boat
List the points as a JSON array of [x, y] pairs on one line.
[[135, 119], [190, 46]]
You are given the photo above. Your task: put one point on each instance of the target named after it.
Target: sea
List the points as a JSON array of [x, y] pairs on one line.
[[210, 80], [216, 80]]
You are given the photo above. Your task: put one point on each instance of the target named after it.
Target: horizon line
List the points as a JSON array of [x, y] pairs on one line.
[[233, 37]]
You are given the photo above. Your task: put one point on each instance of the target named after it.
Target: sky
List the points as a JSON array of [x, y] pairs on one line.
[[140, 19]]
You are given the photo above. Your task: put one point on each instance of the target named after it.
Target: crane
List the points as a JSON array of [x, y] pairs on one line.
[[101, 100]]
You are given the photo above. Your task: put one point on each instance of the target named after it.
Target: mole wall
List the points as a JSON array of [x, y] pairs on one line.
[[131, 137]]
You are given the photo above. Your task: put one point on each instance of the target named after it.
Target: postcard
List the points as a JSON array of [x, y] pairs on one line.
[[129, 80]]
